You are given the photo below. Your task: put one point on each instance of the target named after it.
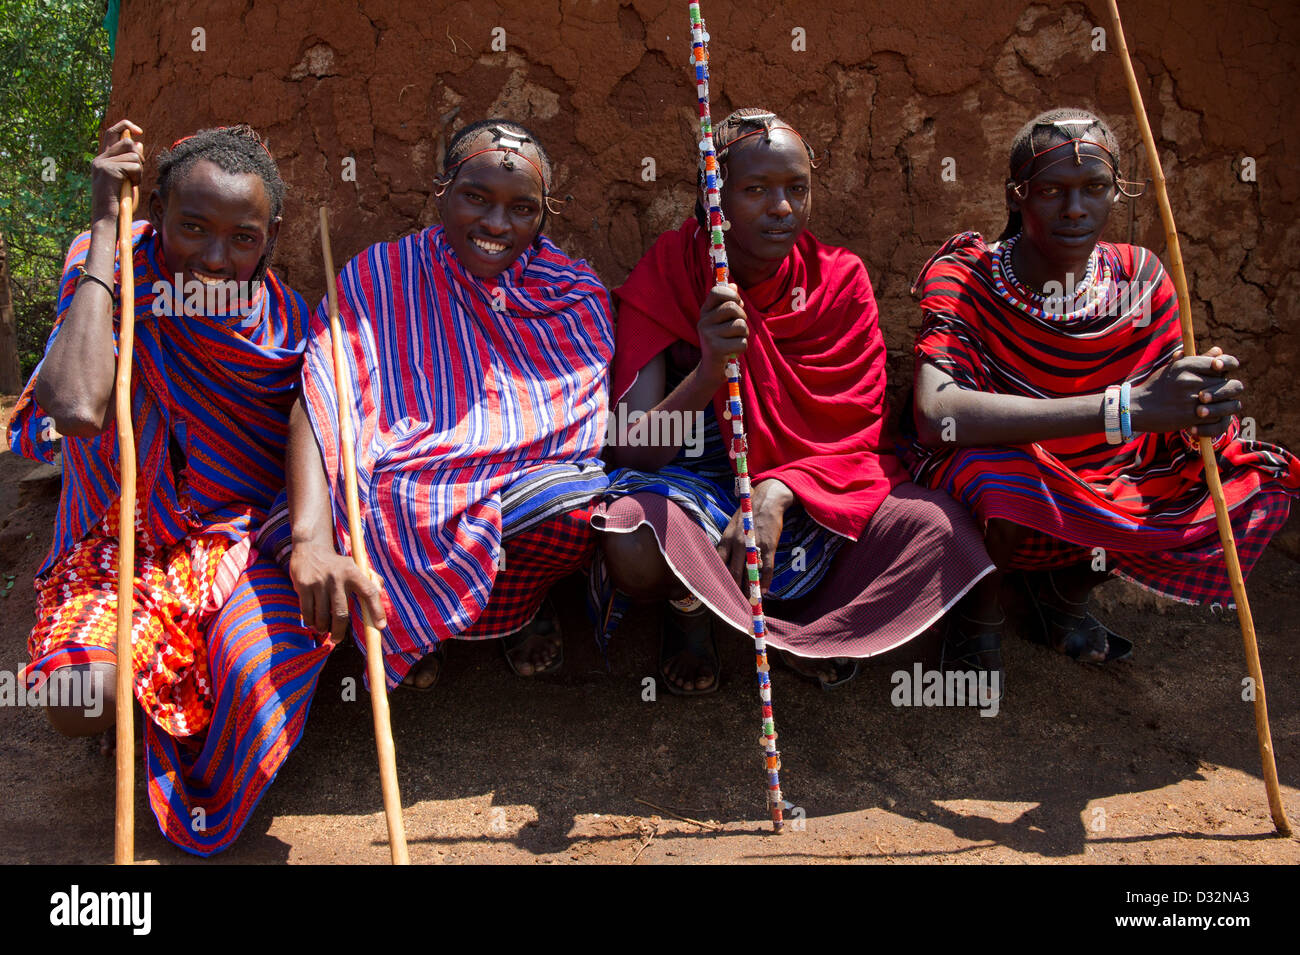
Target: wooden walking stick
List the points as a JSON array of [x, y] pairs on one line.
[[1207, 450], [739, 449], [124, 820], [374, 655]]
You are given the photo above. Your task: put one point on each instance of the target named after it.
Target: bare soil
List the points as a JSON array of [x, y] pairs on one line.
[[1152, 761]]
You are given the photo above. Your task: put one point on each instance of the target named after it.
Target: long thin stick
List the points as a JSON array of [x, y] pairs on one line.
[[678, 815], [1207, 449], [374, 653], [124, 818], [739, 448]]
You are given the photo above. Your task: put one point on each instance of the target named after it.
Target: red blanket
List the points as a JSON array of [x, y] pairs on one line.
[[813, 377]]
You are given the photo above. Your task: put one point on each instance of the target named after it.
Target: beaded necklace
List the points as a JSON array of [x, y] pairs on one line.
[[1088, 294]]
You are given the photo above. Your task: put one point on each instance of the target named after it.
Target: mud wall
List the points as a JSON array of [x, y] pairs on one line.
[[887, 91]]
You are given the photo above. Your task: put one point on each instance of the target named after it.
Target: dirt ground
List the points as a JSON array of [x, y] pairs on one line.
[[1152, 761]]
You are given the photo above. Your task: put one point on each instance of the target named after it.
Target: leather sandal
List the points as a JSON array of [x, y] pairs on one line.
[[970, 644], [846, 670], [440, 655], [1073, 632]]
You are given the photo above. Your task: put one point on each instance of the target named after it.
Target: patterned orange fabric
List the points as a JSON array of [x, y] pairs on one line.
[[76, 611]]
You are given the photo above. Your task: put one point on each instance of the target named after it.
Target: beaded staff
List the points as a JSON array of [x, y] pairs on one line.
[[733, 411]]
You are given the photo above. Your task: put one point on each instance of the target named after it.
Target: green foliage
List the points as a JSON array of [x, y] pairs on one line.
[[54, 85]]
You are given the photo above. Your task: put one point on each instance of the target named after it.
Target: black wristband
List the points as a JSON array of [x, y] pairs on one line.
[[94, 278]]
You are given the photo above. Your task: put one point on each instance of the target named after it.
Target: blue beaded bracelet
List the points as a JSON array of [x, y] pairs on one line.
[[1125, 423]]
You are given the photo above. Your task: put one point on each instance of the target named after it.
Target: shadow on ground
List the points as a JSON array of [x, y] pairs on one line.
[[1154, 760]]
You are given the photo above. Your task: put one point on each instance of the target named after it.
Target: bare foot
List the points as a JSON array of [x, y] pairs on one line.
[[822, 671], [424, 674], [689, 655], [539, 647]]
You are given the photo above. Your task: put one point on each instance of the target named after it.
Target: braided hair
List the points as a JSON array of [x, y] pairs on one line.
[[741, 122], [1039, 134], [235, 150]]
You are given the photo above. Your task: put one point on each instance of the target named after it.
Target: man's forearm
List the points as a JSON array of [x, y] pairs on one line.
[[310, 512]]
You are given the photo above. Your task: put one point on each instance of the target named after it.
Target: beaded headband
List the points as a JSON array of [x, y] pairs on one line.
[[768, 124], [1020, 187], [510, 144]]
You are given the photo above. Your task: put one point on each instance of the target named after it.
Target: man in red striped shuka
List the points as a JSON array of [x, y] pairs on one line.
[[478, 355], [1052, 399], [224, 668]]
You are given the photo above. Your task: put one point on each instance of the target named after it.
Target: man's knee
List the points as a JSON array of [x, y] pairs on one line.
[[1001, 539], [81, 700], [636, 565]]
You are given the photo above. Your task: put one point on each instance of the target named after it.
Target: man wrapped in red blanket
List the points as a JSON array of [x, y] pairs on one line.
[[855, 559]]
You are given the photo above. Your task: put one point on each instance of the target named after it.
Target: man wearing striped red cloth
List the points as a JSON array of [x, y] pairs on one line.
[[478, 356], [1053, 400], [224, 668]]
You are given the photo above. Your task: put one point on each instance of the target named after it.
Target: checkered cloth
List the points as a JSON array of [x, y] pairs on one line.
[[536, 556], [1194, 575], [918, 555]]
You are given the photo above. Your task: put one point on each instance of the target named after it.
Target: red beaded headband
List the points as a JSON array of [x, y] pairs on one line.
[[1078, 160], [1021, 187], [506, 142], [768, 130], [509, 150]]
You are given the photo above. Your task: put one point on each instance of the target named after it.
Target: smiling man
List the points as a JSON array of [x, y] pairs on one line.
[[478, 355], [223, 667], [1053, 401]]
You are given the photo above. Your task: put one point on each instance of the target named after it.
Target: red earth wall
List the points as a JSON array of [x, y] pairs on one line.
[[885, 90]]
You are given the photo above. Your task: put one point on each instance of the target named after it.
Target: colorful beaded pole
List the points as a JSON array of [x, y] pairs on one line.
[[718, 252]]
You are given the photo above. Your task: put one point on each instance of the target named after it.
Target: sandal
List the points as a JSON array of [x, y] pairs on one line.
[[440, 655], [980, 650], [699, 641], [544, 623], [1082, 631], [846, 670]]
